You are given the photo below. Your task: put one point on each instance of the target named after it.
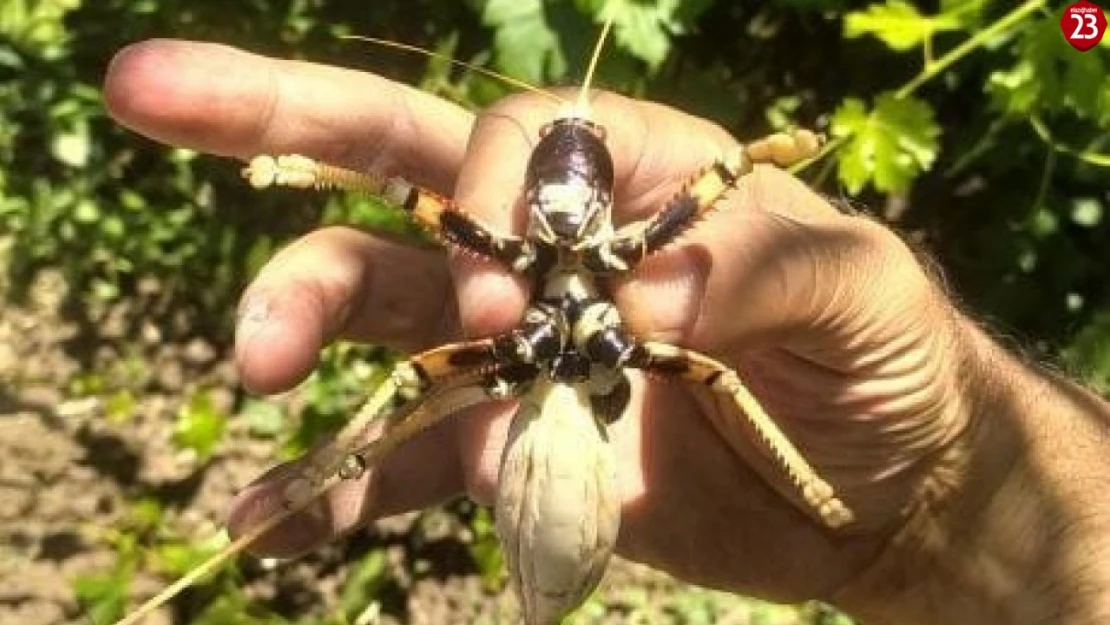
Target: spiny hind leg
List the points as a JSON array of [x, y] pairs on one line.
[[435, 214], [805, 484], [417, 415], [412, 383], [697, 197]]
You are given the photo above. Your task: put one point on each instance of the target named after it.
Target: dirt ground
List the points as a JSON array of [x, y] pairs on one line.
[[70, 473]]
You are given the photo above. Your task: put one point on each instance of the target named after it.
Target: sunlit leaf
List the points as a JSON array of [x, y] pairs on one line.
[[72, 148], [364, 583], [486, 552], [1086, 211], [119, 407], [1049, 75], [265, 419], [199, 425], [887, 146], [965, 12], [103, 597], [525, 43], [644, 28], [179, 557], [36, 24], [897, 23], [1089, 352]]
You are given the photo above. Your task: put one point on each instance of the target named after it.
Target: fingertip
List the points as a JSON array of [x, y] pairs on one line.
[[171, 90], [277, 342], [133, 79], [300, 533]]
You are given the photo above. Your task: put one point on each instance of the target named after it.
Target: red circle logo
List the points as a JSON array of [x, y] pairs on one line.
[[1083, 24]]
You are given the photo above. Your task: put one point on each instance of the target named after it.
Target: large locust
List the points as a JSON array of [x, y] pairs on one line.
[[558, 504]]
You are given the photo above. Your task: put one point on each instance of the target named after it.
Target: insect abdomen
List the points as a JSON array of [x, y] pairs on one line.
[[558, 504]]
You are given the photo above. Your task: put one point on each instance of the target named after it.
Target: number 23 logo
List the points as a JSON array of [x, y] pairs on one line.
[[1085, 19], [1083, 25]]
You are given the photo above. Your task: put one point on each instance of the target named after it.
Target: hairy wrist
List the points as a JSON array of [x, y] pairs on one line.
[[1008, 526]]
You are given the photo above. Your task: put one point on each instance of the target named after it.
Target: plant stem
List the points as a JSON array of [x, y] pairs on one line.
[[1087, 156], [932, 69], [970, 45]]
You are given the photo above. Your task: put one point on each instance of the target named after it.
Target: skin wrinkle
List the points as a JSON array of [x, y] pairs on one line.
[[269, 113]]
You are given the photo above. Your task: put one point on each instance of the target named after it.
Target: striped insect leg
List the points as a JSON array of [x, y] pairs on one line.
[[675, 362], [434, 213], [698, 196], [410, 384], [401, 427]]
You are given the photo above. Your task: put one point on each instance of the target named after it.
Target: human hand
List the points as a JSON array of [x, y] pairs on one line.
[[830, 319]]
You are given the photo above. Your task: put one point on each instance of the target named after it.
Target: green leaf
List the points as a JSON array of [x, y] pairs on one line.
[[364, 583], [36, 23], [179, 557], [1089, 351], [1050, 76], [265, 419], [888, 146], [644, 28], [199, 425], [103, 597], [119, 407], [72, 148], [526, 46], [486, 552], [967, 13], [898, 24]]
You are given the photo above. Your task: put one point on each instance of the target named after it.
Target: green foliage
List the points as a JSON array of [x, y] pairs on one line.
[[889, 145], [103, 597], [485, 550], [346, 375], [898, 24], [1050, 77], [200, 425], [364, 583]]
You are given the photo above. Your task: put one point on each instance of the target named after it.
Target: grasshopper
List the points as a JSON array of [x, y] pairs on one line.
[[567, 362]]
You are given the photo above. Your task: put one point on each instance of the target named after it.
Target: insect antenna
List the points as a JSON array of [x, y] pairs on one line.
[[582, 105], [216, 560], [509, 80]]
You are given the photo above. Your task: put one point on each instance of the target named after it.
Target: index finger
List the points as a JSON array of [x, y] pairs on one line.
[[222, 100]]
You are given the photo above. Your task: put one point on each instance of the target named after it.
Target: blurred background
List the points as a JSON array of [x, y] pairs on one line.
[[971, 126]]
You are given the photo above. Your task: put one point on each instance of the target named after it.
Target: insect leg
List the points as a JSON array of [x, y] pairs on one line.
[[434, 213], [696, 368], [635, 241], [600, 335], [410, 384], [418, 415]]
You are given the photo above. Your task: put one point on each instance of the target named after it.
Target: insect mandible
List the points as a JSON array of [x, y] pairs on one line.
[[558, 506]]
